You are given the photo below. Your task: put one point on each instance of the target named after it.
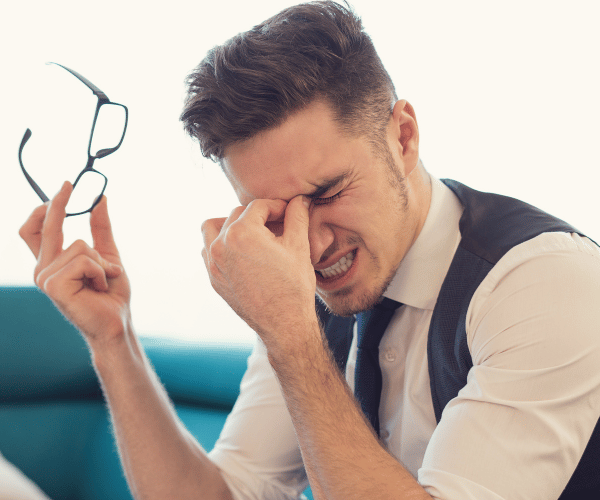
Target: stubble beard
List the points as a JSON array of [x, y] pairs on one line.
[[348, 301]]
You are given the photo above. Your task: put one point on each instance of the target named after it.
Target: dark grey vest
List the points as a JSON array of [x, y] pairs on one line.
[[490, 226]]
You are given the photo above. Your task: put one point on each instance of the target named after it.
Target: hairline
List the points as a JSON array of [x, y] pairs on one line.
[[373, 132]]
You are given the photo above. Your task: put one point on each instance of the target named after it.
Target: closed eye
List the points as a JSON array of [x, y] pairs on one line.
[[326, 201]]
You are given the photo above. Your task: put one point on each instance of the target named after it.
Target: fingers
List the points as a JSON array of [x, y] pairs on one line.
[[81, 272], [211, 229], [259, 213], [52, 230], [102, 235], [297, 218], [31, 231], [263, 211], [79, 258]]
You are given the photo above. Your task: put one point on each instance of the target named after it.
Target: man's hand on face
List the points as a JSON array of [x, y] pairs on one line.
[[87, 284], [264, 270]]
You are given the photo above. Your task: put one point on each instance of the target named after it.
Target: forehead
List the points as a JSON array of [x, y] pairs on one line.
[[305, 151]]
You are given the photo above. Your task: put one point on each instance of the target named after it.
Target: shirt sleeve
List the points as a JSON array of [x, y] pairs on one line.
[[257, 451], [519, 427]]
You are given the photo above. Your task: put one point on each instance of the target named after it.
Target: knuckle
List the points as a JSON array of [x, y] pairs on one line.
[[50, 286], [23, 231], [83, 262], [80, 246], [80, 249], [211, 225], [237, 211], [37, 278], [259, 205], [255, 203], [237, 235], [216, 250], [38, 275], [205, 225]]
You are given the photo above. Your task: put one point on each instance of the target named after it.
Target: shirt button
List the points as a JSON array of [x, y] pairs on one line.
[[384, 435], [390, 355]]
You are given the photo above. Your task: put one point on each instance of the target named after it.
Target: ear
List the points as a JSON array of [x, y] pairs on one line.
[[406, 134]]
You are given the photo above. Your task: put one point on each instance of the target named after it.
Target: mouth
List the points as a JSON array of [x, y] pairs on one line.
[[337, 271]]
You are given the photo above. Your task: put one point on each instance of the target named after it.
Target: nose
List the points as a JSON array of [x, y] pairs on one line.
[[320, 237]]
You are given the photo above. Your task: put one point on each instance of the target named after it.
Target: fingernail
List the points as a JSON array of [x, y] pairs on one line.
[[306, 201]]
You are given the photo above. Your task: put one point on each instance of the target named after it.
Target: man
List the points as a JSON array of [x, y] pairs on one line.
[[305, 123]]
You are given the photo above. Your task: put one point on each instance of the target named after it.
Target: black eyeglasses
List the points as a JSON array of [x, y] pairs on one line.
[[90, 184]]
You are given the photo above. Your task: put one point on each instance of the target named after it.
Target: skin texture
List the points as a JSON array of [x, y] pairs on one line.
[[262, 261], [372, 214]]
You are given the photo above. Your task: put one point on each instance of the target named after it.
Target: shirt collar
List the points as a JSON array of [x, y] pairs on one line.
[[420, 275]]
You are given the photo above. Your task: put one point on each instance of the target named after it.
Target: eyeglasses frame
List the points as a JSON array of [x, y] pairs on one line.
[[102, 100]]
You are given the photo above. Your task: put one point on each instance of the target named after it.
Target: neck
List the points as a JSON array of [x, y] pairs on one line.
[[420, 183]]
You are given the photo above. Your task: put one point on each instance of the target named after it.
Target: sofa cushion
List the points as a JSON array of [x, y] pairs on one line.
[[42, 355], [47, 441], [198, 373]]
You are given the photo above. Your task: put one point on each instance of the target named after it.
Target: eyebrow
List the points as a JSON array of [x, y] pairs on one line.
[[322, 187]]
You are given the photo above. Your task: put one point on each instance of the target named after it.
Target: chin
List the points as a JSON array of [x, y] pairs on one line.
[[360, 296], [347, 302]]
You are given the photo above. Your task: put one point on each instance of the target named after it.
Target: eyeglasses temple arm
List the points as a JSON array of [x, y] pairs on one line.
[[33, 184], [97, 92]]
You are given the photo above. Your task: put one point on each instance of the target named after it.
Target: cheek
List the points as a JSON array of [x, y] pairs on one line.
[[348, 221]]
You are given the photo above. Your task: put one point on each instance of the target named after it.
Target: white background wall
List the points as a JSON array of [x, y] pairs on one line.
[[506, 96]]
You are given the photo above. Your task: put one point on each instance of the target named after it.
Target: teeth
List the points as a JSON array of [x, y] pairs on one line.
[[341, 266]]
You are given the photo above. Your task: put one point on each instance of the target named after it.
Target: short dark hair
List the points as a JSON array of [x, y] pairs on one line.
[[257, 79]]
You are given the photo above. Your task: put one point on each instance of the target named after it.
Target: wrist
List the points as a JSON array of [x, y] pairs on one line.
[[297, 348], [107, 350]]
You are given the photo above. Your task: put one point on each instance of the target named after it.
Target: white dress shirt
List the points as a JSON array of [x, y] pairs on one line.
[[532, 399]]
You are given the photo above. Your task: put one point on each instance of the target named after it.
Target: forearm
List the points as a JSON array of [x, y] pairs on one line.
[[89, 286], [160, 458], [343, 457]]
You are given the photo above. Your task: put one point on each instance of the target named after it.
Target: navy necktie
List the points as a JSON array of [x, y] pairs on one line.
[[367, 374]]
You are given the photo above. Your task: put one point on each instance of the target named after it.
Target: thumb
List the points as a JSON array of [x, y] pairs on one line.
[[295, 224]]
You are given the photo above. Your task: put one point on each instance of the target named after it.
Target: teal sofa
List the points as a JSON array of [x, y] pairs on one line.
[[54, 424]]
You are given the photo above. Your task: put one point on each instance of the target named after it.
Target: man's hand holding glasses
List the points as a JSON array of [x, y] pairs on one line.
[[88, 284]]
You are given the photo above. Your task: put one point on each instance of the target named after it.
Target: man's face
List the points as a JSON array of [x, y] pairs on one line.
[[364, 215]]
